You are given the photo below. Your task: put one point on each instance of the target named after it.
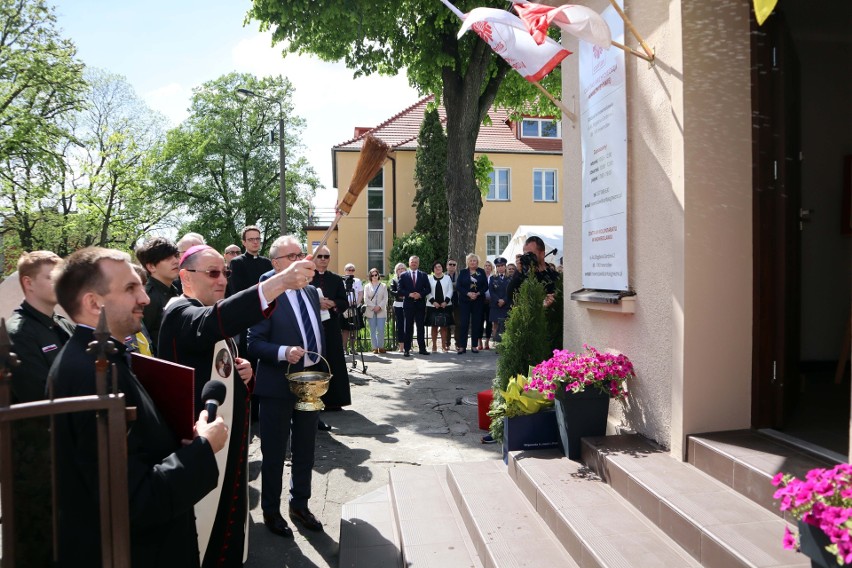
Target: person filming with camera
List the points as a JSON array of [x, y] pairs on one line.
[[532, 262]]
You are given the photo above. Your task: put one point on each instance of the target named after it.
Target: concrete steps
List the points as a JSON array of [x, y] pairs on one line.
[[633, 506], [715, 524]]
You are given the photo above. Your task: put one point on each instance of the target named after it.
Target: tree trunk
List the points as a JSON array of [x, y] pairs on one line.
[[467, 99]]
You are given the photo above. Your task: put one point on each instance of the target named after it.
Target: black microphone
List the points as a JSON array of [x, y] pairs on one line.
[[213, 394]]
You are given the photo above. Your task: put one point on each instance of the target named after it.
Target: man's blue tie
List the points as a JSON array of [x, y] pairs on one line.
[[309, 326]]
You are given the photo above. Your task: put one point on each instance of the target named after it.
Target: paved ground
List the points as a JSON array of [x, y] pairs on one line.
[[405, 411]]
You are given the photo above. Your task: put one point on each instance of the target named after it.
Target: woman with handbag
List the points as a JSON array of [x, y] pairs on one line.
[[472, 286], [398, 311], [439, 311], [376, 303]]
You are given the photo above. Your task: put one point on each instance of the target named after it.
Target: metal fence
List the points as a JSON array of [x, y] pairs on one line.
[[112, 416]]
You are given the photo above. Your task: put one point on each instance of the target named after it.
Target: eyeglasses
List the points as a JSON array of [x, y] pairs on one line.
[[323, 256], [214, 274], [292, 256], [252, 239], [451, 264], [374, 274], [232, 252]]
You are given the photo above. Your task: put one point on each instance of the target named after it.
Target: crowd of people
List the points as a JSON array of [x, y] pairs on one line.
[[238, 317]]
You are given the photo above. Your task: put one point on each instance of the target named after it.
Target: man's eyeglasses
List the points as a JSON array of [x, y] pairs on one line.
[[323, 256], [253, 239], [214, 274], [293, 256], [451, 264], [232, 252]]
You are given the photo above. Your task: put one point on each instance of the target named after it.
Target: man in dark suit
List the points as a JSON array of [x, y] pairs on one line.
[[165, 478], [192, 328], [414, 286], [291, 340], [333, 302]]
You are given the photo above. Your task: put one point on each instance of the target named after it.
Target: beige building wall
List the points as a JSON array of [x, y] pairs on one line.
[[495, 217], [689, 219]]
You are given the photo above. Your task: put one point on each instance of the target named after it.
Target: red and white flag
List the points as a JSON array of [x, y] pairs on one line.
[[509, 38], [579, 21]]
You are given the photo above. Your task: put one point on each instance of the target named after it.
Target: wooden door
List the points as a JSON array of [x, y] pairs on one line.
[[776, 187]]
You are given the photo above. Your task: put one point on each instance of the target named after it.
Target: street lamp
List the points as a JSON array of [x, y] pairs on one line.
[[281, 165]]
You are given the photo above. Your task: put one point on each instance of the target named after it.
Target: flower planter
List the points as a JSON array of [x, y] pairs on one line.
[[580, 415], [530, 432], [813, 542]]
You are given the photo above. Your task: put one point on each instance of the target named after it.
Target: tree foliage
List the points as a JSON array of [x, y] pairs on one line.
[[430, 170], [416, 244], [220, 167], [525, 342], [40, 80], [420, 36]]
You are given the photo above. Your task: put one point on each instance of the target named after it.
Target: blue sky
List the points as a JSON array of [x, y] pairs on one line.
[[166, 48]]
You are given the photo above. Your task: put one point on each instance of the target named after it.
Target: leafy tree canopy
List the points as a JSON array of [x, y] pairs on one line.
[[430, 170], [220, 167], [420, 36]]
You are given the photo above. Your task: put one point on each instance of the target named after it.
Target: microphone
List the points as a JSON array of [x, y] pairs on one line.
[[213, 394]]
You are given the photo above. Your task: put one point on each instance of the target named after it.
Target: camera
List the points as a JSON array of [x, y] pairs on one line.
[[529, 261]]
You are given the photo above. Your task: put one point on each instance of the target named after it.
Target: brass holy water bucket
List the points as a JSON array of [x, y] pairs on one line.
[[309, 386]]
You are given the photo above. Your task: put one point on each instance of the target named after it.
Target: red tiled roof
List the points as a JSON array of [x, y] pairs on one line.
[[400, 133]]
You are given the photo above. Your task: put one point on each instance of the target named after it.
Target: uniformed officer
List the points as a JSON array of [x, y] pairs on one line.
[[37, 335]]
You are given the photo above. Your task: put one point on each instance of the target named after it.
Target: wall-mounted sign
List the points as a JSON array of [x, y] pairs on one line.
[[603, 126]]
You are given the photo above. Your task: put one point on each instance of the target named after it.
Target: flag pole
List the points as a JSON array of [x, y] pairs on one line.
[[556, 101], [629, 24], [632, 51]]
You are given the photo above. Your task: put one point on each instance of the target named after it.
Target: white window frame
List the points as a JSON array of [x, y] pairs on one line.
[[378, 190], [492, 253], [536, 188], [539, 122], [492, 186]]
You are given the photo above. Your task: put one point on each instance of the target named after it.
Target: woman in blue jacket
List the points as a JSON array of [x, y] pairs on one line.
[[472, 286]]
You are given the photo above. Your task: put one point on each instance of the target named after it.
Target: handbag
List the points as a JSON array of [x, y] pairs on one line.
[[440, 320]]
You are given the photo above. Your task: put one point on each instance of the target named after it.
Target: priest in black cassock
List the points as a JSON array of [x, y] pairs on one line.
[[197, 331], [165, 479], [334, 300]]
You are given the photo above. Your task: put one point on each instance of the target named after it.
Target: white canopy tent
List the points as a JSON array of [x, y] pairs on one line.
[[550, 234]]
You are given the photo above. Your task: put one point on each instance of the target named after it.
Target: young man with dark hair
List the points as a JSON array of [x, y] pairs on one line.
[[165, 478], [531, 262], [247, 268], [159, 256]]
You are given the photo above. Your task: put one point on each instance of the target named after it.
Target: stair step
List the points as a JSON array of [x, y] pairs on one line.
[[747, 460], [368, 535], [596, 525], [505, 528], [716, 525], [431, 530]]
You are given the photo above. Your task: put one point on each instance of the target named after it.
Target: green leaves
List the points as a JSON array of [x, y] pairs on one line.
[[221, 168]]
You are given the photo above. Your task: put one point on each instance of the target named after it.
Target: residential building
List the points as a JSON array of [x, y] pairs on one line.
[[525, 188]]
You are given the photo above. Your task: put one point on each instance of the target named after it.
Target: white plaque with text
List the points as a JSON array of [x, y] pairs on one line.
[[603, 126]]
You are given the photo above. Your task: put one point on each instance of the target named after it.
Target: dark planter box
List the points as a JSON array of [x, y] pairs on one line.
[[580, 415], [530, 432], [813, 542]]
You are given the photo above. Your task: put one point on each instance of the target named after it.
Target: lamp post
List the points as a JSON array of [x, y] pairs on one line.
[[282, 185]]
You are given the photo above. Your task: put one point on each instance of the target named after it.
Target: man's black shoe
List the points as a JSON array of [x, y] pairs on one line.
[[323, 426], [406, 354], [424, 352], [277, 525], [306, 518]]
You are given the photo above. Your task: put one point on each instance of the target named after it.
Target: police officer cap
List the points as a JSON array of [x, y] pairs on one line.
[[499, 260]]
